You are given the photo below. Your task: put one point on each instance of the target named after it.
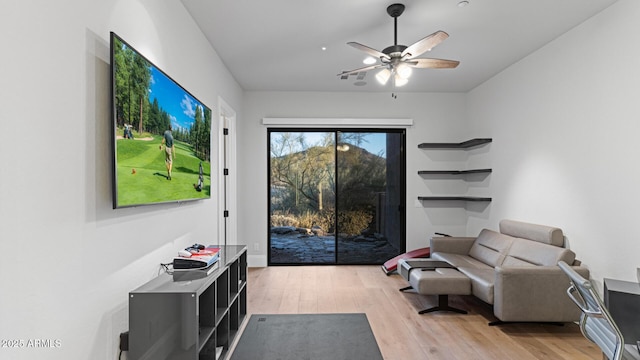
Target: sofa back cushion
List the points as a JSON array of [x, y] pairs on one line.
[[540, 233], [525, 252], [490, 247]]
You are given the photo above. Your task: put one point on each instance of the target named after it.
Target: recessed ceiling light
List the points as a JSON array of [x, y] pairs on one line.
[[324, 48], [369, 60], [463, 3]]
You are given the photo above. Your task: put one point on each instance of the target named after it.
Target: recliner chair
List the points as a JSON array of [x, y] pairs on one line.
[[596, 323]]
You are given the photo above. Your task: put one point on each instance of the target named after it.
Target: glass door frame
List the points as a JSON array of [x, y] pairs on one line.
[[402, 172]]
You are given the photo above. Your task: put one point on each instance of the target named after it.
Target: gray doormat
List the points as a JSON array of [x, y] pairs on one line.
[[307, 336]]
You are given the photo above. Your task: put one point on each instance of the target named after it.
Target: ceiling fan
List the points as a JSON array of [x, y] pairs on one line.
[[398, 60]]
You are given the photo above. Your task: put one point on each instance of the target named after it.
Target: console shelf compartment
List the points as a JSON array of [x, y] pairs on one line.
[[463, 145], [190, 314]]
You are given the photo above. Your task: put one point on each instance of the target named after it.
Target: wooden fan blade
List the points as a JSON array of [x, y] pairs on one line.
[[355, 71], [368, 50], [433, 63], [424, 45]]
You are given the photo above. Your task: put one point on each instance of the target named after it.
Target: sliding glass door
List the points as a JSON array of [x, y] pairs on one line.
[[302, 197], [336, 196], [370, 201]]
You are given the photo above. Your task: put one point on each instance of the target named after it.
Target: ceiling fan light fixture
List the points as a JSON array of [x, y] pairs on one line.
[[404, 71], [383, 76], [399, 60], [369, 60], [400, 81]]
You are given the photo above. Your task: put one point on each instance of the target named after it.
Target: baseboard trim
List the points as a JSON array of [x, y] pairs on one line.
[[257, 261]]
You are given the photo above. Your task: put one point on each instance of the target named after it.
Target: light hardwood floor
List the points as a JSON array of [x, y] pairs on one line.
[[400, 331]]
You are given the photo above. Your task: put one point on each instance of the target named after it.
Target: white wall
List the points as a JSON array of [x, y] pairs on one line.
[[437, 118], [69, 259], [565, 123]]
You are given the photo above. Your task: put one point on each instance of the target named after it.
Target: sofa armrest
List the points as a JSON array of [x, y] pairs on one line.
[[534, 293], [452, 244]]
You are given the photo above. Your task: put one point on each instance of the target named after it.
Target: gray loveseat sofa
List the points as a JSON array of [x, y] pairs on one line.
[[515, 270]]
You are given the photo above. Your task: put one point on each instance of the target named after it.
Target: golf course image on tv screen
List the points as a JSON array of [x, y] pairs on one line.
[[161, 134]]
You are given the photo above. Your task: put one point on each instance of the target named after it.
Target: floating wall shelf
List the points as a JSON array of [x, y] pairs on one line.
[[463, 145], [454, 172], [454, 198]]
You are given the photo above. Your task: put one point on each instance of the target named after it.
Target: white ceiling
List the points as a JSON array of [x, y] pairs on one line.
[[276, 45]]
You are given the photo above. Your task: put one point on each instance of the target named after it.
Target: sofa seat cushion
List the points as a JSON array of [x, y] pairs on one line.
[[530, 253], [490, 247], [482, 282], [457, 260]]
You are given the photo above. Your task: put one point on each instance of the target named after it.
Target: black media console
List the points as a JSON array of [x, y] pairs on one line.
[[192, 314]]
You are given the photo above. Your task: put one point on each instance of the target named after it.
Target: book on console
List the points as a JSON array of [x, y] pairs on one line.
[[198, 260], [194, 274]]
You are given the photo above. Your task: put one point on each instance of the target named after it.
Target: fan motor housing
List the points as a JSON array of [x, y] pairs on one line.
[[394, 49]]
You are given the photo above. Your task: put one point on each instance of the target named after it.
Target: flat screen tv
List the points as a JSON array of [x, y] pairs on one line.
[[161, 134]]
